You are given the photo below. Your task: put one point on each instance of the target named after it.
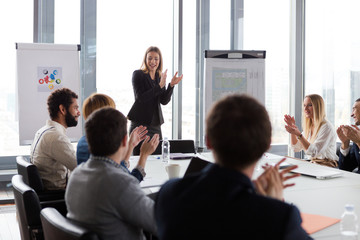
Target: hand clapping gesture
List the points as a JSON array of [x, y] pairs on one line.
[[149, 146], [137, 135], [163, 79], [352, 133], [345, 141], [271, 182], [175, 80], [291, 126]]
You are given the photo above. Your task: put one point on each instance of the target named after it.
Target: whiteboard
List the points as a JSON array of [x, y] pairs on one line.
[[41, 68], [225, 76]]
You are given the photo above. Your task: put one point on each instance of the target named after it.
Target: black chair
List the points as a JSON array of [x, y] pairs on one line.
[[32, 178], [58, 227], [27, 209], [178, 146]]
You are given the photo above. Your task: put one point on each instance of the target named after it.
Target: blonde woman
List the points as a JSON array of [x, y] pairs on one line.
[[318, 139], [150, 91], [94, 102]]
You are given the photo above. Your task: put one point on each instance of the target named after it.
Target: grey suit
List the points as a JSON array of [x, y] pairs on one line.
[[103, 196]]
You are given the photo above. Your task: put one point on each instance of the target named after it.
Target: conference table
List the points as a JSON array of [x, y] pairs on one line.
[[322, 197]]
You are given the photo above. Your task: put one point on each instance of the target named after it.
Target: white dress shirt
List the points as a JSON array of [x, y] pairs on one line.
[[324, 146], [53, 154]]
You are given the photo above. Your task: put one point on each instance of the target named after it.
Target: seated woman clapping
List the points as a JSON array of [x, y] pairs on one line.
[[318, 139]]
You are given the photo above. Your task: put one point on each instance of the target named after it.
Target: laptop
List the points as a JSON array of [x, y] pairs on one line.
[[319, 172], [196, 165]]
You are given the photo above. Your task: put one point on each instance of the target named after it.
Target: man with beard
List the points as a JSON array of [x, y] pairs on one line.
[[349, 157], [51, 150]]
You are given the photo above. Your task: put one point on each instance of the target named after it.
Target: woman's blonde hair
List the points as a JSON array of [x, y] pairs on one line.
[[145, 67], [318, 119], [96, 101]]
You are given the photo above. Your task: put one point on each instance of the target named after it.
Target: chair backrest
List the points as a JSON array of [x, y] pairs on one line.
[[30, 174], [57, 227], [27, 208], [178, 146]]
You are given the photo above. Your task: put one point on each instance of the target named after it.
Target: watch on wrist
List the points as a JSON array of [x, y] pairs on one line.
[[298, 137]]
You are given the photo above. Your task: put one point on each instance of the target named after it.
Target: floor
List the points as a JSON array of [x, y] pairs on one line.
[[9, 229]]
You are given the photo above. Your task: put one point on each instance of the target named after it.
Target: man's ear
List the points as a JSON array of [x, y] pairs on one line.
[[62, 109], [208, 142], [124, 141]]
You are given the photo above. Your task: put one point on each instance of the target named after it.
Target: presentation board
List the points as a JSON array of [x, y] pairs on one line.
[[229, 72], [41, 69]]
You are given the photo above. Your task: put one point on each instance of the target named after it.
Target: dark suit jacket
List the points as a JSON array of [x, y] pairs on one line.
[[148, 96], [352, 159], [220, 203]]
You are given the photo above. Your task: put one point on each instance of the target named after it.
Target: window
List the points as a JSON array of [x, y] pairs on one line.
[[267, 28], [124, 31], [67, 22], [14, 29], [189, 65], [332, 56], [219, 25]]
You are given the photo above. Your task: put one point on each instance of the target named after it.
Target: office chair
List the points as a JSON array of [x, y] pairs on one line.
[[58, 227], [27, 209], [32, 178]]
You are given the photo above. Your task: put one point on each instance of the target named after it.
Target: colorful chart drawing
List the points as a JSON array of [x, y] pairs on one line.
[[49, 78]]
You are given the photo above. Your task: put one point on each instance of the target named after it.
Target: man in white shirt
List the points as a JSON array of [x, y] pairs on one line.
[[349, 158], [51, 150]]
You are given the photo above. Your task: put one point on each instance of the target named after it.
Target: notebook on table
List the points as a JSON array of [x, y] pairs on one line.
[[319, 172]]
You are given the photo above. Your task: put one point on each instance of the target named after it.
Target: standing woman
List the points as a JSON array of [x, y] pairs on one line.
[[318, 139], [149, 85]]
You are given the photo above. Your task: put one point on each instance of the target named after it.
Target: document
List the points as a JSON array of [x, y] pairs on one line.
[[313, 223]]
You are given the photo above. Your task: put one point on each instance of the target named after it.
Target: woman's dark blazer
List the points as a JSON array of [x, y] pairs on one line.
[[148, 96]]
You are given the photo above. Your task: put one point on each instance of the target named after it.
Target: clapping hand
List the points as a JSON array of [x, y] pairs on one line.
[[290, 125], [149, 146], [137, 135], [175, 80], [352, 133], [163, 77], [345, 141], [271, 182]]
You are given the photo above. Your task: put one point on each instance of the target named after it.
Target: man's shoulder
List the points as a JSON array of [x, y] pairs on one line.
[[96, 169]]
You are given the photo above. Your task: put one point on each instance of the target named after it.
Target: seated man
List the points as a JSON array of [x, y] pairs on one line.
[[101, 194], [220, 202], [349, 159], [51, 150]]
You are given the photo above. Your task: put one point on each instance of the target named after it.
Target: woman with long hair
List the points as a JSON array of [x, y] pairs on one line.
[[149, 85], [318, 139], [97, 101]]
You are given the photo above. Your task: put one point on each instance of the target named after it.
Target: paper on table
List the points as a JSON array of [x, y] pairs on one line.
[[151, 182], [313, 223]]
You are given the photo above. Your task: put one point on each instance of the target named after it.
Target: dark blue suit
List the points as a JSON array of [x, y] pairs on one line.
[[220, 203], [352, 159]]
